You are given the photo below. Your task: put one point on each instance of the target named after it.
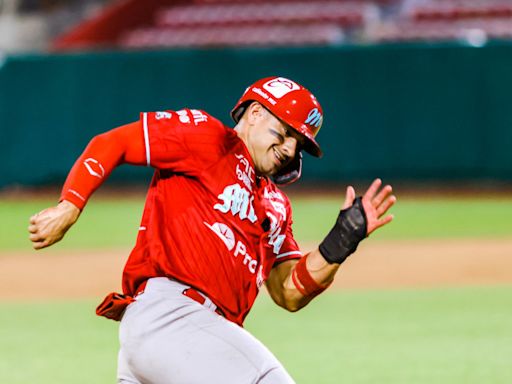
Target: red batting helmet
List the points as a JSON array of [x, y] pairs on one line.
[[289, 102]]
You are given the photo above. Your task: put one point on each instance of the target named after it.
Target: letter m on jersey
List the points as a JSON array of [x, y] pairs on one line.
[[238, 200]]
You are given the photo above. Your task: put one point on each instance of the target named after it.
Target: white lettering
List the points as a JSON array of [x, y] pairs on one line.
[[280, 208], [76, 194], [199, 117], [275, 238], [163, 115], [244, 171], [227, 236], [252, 265], [272, 195], [314, 118], [184, 117], [243, 177], [239, 201], [261, 93], [248, 260], [240, 249]]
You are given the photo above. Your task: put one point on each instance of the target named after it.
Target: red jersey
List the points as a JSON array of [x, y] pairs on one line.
[[209, 221]]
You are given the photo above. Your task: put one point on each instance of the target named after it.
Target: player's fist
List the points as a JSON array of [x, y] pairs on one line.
[[50, 225]]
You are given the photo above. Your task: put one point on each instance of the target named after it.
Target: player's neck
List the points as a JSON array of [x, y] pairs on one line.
[[242, 131]]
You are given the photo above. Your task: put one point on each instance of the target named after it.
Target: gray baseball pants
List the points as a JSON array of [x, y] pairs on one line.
[[168, 338]]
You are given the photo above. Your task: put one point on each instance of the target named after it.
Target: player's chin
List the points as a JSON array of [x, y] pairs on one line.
[[276, 168], [269, 170], [271, 166]]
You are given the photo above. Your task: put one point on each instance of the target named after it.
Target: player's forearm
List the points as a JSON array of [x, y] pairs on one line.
[[321, 271], [315, 271], [307, 279], [103, 153]]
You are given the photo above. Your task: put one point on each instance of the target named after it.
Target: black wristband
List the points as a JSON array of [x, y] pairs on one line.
[[347, 233]]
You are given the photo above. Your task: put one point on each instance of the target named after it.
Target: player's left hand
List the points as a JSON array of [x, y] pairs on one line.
[[51, 224], [376, 202]]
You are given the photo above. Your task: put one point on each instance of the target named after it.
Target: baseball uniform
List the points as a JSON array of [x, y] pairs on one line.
[[209, 223], [213, 231]]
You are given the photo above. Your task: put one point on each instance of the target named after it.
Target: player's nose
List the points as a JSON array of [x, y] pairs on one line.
[[289, 147]]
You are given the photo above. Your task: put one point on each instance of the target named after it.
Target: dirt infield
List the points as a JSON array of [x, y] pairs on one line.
[[58, 274]]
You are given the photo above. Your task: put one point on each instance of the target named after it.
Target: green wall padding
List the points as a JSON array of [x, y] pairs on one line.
[[403, 112]]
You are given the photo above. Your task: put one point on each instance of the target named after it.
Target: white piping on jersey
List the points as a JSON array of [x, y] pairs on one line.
[[142, 228], [288, 254], [146, 137]]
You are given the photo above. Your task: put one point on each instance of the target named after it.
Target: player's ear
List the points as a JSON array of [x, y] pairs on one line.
[[255, 111]]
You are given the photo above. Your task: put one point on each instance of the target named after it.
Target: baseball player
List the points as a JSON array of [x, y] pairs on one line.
[[215, 228]]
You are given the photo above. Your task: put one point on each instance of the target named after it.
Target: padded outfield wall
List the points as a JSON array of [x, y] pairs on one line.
[[403, 112]]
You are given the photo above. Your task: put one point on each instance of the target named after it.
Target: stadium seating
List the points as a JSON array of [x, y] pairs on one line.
[[238, 23], [474, 21], [457, 10], [217, 23], [234, 36], [442, 31], [341, 13]]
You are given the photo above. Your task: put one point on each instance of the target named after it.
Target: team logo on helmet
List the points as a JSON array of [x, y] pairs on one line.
[[314, 118], [280, 86]]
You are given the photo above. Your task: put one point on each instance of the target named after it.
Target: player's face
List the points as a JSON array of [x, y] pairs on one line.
[[272, 144]]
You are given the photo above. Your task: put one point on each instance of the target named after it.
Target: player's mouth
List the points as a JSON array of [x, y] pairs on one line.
[[280, 158]]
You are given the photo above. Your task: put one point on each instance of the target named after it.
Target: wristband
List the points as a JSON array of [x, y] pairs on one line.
[[347, 233], [303, 280]]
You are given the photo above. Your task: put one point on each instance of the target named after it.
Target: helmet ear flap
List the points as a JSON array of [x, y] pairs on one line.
[[238, 112], [290, 173]]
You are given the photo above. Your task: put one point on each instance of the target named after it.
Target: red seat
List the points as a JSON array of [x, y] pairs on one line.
[[234, 36], [343, 13]]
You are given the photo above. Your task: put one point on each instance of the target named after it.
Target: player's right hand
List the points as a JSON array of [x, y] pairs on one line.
[[376, 203], [50, 225]]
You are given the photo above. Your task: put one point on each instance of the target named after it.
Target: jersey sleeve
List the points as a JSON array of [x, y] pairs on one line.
[[181, 140], [289, 249], [103, 153]]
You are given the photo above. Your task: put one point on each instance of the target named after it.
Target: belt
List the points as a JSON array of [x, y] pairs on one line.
[[203, 300]]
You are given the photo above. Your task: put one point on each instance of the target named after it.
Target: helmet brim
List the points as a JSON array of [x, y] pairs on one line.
[[310, 145]]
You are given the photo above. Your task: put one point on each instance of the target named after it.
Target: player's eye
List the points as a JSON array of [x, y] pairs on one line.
[[300, 139], [277, 134]]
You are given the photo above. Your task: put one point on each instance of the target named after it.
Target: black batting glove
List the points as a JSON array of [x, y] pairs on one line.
[[347, 233]]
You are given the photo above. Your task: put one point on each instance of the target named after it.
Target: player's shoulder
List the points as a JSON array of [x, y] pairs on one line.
[[204, 128], [201, 119], [192, 123], [187, 118], [197, 132]]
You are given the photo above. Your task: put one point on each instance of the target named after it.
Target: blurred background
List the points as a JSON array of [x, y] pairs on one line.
[[416, 92], [413, 90]]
